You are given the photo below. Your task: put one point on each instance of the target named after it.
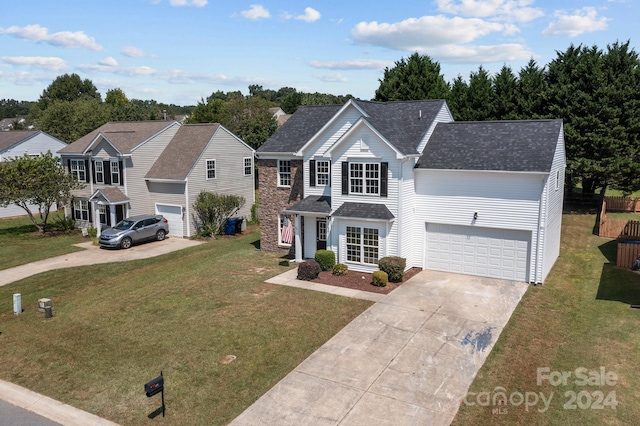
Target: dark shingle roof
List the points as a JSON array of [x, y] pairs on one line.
[[312, 204], [403, 124], [8, 139], [364, 211], [522, 146], [124, 135], [299, 128], [183, 151]]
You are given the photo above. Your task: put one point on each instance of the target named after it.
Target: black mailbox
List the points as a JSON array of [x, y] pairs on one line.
[[155, 386]]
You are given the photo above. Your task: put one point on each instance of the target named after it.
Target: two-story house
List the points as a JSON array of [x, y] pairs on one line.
[[156, 167], [368, 180]]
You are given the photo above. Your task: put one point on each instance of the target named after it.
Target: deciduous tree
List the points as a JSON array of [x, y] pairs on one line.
[[36, 181]]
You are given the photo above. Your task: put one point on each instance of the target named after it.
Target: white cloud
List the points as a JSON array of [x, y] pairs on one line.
[[36, 33], [134, 52], [415, 34], [196, 3], [109, 62], [584, 20], [480, 54], [354, 64], [310, 15], [507, 10], [256, 11], [43, 62], [331, 78]]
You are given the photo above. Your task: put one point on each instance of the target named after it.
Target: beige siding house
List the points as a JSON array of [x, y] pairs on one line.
[[154, 167]]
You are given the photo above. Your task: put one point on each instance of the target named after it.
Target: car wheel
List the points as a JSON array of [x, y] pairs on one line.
[[160, 235], [126, 243]]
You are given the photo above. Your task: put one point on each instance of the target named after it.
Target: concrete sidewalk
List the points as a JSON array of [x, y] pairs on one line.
[[48, 408], [92, 255], [407, 360]]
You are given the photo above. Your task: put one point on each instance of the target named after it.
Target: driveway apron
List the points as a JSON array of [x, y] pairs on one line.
[[407, 360]]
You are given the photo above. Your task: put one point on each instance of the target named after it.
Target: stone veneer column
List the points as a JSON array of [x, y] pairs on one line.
[[274, 199]]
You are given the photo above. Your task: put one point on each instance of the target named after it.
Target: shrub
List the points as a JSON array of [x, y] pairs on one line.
[[211, 211], [326, 259], [380, 279], [308, 270], [62, 223], [394, 267], [340, 269]]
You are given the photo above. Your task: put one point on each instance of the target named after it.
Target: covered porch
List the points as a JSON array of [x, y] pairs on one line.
[[109, 206]]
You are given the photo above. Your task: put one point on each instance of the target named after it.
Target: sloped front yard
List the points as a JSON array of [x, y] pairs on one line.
[[116, 326], [574, 342]]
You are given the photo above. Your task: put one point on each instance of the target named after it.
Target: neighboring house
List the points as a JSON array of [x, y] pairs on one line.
[[17, 143], [280, 116], [7, 124], [368, 180], [155, 167]]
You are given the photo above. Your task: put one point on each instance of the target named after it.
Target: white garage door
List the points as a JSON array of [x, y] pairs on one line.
[[174, 215], [487, 252]]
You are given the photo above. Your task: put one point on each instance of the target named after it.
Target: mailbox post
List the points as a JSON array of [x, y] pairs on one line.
[[154, 387]]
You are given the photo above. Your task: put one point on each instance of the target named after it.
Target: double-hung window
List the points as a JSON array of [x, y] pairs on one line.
[[99, 171], [362, 245], [115, 173], [284, 172], [364, 178], [322, 173], [248, 166], [211, 169], [81, 209], [78, 170], [102, 211]]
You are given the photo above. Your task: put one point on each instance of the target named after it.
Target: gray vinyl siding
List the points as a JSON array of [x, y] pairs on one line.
[[38, 144], [378, 151], [502, 200], [142, 158], [443, 116], [104, 151], [323, 142], [229, 153], [553, 212]]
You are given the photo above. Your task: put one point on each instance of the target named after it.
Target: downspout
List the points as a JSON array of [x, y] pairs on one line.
[[536, 278], [298, 239], [186, 210]]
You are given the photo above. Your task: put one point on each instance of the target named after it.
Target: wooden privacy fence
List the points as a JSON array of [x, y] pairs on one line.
[[622, 204], [617, 228], [628, 252]]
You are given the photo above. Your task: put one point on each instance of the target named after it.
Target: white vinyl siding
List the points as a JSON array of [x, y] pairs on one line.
[[38, 144], [443, 116]]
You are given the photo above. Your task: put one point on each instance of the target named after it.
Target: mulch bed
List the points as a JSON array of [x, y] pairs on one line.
[[361, 281]]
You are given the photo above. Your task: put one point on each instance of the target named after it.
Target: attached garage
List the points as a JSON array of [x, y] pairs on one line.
[[174, 215], [487, 252]]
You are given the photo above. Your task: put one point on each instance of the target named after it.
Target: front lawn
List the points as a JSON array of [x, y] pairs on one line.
[[116, 326], [580, 318], [20, 242]]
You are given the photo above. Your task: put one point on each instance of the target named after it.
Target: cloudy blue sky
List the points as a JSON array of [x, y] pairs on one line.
[[179, 51]]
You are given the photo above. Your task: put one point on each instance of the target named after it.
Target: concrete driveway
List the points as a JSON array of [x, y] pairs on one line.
[[407, 360], [92, 255]]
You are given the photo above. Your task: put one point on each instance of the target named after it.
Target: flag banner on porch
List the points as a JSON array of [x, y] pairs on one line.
[[287, 231]]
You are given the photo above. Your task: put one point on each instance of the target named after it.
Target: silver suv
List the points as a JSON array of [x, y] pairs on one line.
[[135, 229]]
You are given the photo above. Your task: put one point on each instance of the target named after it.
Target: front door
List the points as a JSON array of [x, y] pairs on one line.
[[119, 212], [321, 233]]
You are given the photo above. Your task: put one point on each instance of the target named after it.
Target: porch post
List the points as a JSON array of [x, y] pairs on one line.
[[298, 240], [96, 218]]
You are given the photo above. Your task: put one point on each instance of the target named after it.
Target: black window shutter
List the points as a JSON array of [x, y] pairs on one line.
[[384, 179], [106, 168], [121, 173], [86, 171], [312, 173], [345, 178], [69, 165], [90, 207], [93, 170]]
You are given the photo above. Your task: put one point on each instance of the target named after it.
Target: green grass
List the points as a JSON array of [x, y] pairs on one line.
[[581, 317], [20, 242], [116, 326]]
